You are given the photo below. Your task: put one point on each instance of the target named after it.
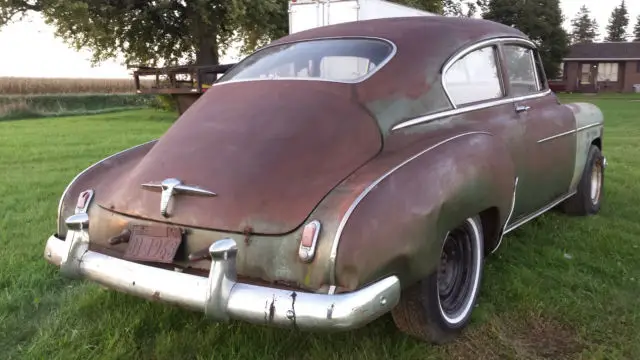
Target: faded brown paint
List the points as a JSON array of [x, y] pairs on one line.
[[270, 162], [279, 153]]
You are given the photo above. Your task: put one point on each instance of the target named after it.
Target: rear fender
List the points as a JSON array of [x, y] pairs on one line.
[[90, 177], [398, 224]]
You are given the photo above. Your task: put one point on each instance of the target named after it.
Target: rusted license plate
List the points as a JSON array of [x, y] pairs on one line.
[[156, 243]]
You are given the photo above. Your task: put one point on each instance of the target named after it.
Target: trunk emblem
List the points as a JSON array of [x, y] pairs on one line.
[[170, 187]]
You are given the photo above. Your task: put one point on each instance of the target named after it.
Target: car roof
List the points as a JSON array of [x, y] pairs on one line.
[[411, 81], [441, 36]]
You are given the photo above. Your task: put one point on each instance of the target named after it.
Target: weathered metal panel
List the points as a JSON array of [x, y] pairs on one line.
[[270, 156], [589, 126]]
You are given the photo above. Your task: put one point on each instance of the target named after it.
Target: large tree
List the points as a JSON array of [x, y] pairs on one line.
[[541, 20], [463, 8], [165, 32], [636, 30], [584, 28], [618, 23], [156, 32]]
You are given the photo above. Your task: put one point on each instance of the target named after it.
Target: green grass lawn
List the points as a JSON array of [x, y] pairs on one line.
[[559, 287]]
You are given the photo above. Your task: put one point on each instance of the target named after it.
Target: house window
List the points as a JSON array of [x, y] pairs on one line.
[[608, 72], [638, 66], [474, 78]]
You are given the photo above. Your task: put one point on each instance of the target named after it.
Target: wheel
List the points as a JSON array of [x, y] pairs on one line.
[[437, 308], [586, 200]]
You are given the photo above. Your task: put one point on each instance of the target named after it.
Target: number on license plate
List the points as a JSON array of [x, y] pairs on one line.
[[153, 243]]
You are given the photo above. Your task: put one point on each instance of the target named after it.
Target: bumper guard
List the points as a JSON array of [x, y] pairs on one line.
[[220, 296]]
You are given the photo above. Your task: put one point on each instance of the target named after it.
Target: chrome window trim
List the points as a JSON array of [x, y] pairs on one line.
[[496, 55], [474, 47], [536, 75], [479, 106], [392, 54], [75, 178], [466, 109], [345, 217]]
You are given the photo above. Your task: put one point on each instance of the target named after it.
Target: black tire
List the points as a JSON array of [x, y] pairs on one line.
[[439, 307], [586, 201]]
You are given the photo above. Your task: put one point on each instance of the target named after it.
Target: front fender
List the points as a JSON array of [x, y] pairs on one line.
[[398, 223], [589, 129], [90, 177]]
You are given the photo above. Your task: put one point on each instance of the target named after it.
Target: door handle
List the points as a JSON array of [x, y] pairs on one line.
[[522, 108]]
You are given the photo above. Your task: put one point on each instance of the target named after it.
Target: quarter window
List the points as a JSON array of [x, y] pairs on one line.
[[474, 78], [521, 70]]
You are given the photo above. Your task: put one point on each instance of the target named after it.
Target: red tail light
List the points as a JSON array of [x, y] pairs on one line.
[[83, 201], [309, 241]]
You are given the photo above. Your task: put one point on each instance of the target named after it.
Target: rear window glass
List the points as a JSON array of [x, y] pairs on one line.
[[344, 60]]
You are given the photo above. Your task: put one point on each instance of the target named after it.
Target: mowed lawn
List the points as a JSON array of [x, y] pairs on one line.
[[559, 287]]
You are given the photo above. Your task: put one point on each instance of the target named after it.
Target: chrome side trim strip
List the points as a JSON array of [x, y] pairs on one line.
[[336, 240], [506, 223], [534, 215], [589, 126], [569, 132], [394, 50], [556, 136], [64, 193], [466, 109]]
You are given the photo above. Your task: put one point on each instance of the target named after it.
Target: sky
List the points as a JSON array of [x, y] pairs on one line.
[[32, 50]]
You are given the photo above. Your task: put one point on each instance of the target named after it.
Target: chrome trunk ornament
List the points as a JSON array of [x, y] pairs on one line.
[[170, 187]]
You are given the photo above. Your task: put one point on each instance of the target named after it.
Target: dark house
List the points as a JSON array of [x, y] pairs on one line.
[[601, 67]]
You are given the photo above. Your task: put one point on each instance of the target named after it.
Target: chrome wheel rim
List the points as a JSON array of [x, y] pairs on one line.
[[596, 182], [459, 272]]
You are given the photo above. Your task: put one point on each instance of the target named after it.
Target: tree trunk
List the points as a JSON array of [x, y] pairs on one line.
[[205, 39], [207, 52]]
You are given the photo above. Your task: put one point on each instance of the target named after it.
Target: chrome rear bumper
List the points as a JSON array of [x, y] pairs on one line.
[[220, 296]]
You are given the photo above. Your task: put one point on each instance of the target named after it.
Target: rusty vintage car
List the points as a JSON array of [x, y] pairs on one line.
[[339, 174]]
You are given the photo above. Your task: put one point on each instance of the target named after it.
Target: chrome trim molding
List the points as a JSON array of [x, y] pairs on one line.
[[336, 240], [506, 223], [589, 126], [392, 54], [534, 215], [219, 296], [557, 136], [64, 193], [466, 109]]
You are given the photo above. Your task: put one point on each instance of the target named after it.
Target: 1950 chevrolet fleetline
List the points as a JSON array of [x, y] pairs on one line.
[[339, 174]]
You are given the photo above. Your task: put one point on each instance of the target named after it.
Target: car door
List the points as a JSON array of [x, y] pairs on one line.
[[549, 136]]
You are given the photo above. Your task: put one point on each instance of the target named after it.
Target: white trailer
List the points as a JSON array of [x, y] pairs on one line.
[[307, 14]]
